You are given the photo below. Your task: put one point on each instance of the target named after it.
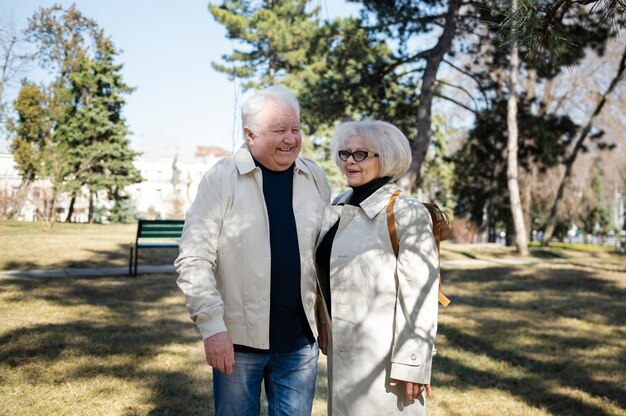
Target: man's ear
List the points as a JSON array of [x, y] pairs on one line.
[[249, 136]]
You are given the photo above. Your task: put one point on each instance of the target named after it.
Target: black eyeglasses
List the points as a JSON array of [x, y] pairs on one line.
[[358, 156]]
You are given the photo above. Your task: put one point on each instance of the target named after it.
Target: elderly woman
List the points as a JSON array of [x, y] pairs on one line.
[[381, 310]]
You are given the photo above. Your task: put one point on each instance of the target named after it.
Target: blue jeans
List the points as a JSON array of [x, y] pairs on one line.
[[289, 383]]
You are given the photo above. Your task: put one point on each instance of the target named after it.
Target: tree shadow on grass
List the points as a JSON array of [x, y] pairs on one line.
[[135, 321], [116, 257], [128, 298], [533, 390], [543, 253], [178, 394], [542, 321]]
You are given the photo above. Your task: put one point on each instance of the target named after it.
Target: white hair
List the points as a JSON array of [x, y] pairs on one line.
[[380, 137], [254, 104]]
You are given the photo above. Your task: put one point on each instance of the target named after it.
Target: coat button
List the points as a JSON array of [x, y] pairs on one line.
[[413, 357]]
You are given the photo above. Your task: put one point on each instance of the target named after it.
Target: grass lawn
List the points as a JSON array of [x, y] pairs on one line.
[[25, 245], [574, 252], [531, 340], [102, 346]]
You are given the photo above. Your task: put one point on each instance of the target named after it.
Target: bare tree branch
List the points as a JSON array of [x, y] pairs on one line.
[[421, 19], [412, 58], [569, 163], [403, 74], [452, 100], [472, 76], [424, 111], [462, 89]]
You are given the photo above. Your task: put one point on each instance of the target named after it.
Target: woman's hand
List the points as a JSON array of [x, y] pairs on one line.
[[412, 390], [322, 338]]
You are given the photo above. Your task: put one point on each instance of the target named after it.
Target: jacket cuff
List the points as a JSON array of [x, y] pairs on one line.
[[415, 373], [211, 327]]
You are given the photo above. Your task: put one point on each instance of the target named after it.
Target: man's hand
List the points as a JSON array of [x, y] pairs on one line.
[[412, 390], [322, 338], [219, 352]]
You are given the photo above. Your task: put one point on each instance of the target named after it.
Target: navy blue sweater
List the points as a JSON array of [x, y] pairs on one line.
[[289, 327]]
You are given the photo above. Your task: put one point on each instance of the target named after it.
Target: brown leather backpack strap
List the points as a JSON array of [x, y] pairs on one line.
[[391, 223], [437, 221]]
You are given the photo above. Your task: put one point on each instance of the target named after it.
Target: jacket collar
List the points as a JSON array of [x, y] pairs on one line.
[[376, 202], [379, 200], [245, 162]]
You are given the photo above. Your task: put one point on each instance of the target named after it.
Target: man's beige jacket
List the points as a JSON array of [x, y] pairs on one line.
[[224, 262]]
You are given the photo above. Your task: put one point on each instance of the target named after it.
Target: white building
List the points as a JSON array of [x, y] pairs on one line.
[[169, 187]]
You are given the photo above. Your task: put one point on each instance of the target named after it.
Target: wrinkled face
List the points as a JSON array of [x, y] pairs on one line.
[[360, 173], [277, 142]]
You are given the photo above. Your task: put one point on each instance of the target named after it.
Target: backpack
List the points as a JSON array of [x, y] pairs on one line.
[[441, 232]]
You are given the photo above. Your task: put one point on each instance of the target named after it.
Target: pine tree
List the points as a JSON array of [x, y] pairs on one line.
[[97, 129], [123, 211], [273, 39], [352, 71], [540, 26], [30, 132], [90, 133]]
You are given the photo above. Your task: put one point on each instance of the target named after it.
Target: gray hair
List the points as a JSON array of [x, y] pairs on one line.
[[380, 137], [254, 104]]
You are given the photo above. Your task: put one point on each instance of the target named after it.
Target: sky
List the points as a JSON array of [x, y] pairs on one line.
[[167, 47]]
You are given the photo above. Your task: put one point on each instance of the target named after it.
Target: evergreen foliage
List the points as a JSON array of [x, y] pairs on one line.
[[88, 143], [340, 69], [546, 136], [544, 28], [30, 130], [480, 185], [97, 129], [440, 170], [123, 211], [575, 28], [273, 36]]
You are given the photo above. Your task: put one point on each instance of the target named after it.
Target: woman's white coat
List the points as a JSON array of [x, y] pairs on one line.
[[384, 310]]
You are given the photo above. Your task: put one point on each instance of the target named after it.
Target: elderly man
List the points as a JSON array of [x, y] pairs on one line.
[[246, 263]]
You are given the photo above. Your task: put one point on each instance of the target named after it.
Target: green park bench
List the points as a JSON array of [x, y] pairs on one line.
[[154, 234]]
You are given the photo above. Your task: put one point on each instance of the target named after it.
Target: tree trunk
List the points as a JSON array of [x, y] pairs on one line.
[[492, 232], [526, 195], [20, 198], [70, 210], [51, 214], [433, 60], [508, 238], [7, 67], [569, 163], [90, 213], [521, 238], [527, 177]]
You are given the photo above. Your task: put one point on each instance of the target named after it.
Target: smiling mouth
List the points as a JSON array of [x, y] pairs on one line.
[[285, 149]]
